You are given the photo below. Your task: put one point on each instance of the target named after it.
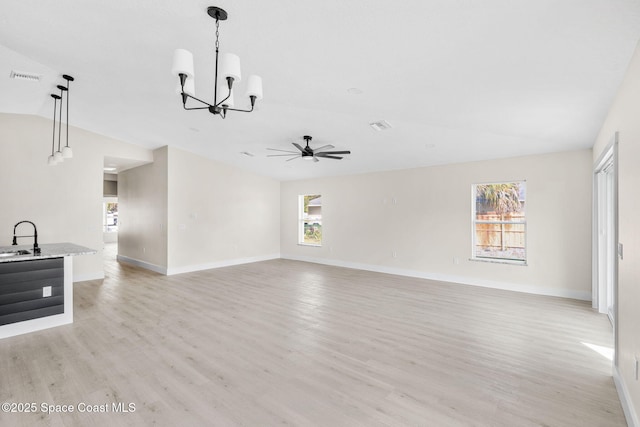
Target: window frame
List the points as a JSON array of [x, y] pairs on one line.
[[475, 221]]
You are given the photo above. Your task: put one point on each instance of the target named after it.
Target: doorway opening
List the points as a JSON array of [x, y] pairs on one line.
[[110, 226], [605, 242], [110, 220]]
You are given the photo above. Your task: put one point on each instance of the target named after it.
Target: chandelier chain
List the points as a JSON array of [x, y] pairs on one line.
[[217, 34]]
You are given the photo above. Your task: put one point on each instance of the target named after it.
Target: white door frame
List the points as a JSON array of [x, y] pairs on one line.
[[605, 203]]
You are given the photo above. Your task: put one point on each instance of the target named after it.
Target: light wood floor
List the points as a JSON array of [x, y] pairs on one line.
[[290, 343]]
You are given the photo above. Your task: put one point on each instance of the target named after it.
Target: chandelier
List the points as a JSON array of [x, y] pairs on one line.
[[228, 72]]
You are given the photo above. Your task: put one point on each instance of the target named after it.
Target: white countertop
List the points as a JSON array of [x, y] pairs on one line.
[[47, 250]]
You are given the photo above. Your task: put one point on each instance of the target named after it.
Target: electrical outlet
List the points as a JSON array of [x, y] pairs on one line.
[[394, 254], [456, 260], [46, 292]]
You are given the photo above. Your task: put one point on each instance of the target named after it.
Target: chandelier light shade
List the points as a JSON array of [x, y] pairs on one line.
[[254, 87], [182, 63], [227, 72], [230, 67]]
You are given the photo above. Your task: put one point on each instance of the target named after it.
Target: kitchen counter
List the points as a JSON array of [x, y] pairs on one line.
[[47, 250], [36, 290]]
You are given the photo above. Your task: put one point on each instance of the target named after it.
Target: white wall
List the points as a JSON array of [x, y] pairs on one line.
[[187, 213], [430, 222], [219, 214], [142, 213], [624, 117], [64, 201]]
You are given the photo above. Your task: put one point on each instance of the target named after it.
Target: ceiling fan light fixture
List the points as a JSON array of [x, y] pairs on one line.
[[308, 153]]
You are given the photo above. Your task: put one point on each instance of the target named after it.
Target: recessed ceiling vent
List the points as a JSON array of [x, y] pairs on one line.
[[380, 125], [21, 75]]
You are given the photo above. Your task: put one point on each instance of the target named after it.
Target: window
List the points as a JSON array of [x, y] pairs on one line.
[[110, 216], [499, 223], [310, 220]]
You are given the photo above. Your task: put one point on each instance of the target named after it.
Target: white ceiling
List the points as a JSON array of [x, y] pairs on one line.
[[459, 80]]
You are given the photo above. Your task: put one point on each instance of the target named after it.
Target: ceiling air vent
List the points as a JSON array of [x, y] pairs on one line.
[[21, 75], [380, 125]]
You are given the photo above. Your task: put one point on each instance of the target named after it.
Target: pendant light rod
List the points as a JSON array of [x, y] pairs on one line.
[[226, 65], [55, 105], [68, 79], [58, 154], [52, 161], [67, 152], [62, 91]]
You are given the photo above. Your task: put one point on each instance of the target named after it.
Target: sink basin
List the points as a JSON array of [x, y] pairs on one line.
[[13, 253]]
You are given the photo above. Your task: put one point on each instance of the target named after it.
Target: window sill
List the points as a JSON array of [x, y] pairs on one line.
[[500, 261], [310, 244]]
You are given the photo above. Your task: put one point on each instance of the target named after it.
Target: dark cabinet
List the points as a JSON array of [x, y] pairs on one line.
[[23, 286]]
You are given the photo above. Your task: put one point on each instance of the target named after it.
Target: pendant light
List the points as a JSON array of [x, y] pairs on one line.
[[58, 154], [62, 152], [67, 153], [52, 158]]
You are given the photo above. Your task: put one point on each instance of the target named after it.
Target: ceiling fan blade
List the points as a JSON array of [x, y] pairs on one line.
[[298, 146], [284, 151], [315, 159], [283, 155], [333, 152], [324, 147], [326, 156], [293, 158]]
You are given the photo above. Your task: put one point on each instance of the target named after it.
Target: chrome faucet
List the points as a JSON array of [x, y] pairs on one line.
[[36, 249]]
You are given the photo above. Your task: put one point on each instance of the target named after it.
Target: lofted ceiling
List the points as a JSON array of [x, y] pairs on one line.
[[458, 80]]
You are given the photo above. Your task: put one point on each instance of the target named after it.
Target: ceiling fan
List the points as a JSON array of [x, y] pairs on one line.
[[308, 153]]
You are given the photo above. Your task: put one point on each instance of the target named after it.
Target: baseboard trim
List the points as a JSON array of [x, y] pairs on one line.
[[219, 264], [143, 264], [564, 293], [99, 275], [625, 400]]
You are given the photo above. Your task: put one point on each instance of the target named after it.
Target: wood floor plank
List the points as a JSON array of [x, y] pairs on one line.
[[290, 343]]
